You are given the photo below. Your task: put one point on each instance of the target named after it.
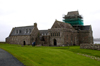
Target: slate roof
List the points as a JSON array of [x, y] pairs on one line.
[[43, 31], [85, 27], [25, 30]]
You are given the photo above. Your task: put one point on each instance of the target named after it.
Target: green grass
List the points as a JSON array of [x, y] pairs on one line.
[[52, 56]]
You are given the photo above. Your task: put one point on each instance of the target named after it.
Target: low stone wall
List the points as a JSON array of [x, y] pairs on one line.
[[90, 46], [2, 42]]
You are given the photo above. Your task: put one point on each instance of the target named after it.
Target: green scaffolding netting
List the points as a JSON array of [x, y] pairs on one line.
[[74, 21]]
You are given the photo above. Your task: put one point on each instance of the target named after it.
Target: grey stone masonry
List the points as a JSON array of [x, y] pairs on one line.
[[90, 46]]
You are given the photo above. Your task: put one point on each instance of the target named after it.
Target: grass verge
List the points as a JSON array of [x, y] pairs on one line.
[[52, 56]]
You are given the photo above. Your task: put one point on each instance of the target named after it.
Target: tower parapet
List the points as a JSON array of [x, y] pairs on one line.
[[73, 18]]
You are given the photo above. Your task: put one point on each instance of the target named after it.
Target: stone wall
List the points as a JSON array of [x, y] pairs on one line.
[[18, 40], [90, 46], [44, 41], [71, 38], [85, 36], [57, 34], [2, 42], [66, 36]]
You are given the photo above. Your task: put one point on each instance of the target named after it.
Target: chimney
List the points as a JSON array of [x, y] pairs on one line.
[[35, 24]]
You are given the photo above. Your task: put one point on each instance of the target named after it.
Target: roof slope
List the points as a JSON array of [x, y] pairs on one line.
[[26, 30], [59, 24], [43, 31]]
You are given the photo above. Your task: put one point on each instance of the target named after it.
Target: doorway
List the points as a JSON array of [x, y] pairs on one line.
[[24, 43], [55, 42]]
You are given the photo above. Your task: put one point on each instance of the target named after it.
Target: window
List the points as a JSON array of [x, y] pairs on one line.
[[29, 30], [55, 34], [26, 31], [59, 34], [19, 31], [52, 34]]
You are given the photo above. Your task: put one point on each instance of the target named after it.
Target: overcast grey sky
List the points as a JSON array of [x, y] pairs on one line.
[[14, 13]]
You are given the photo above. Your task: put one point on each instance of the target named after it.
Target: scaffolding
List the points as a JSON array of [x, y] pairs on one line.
[[74, 21], [73, 18]]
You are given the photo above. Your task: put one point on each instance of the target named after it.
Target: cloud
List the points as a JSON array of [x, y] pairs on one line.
[[15, 13]]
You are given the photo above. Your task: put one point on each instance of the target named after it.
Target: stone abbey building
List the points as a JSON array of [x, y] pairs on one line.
[[69, 32]]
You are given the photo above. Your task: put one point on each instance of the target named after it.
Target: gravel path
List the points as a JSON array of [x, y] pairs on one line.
[[7, 59]]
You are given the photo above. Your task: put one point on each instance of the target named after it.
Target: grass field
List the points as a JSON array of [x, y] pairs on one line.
[[52, 56]]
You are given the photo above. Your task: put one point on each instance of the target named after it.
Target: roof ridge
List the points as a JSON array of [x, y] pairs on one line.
[[25, 26], [63, 22]]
